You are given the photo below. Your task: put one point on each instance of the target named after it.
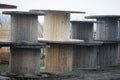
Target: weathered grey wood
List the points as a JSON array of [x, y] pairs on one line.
[[25, 60], [7, 6], [95, 56], [66, 11], [108, 30], [85, 57], [24, 27], [107, 54], [82, 30]]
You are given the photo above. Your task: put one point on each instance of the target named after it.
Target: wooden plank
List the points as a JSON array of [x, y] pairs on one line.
[[82, 30], [66, 11], [84, 57], [107, 54], [118, 53], [102, 16], [59, 58], [25, 61], [4, 54], [56, 26], [24, 28]]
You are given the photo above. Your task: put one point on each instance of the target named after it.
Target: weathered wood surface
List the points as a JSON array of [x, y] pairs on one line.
[[25, 61], [108, 30], [82, 30], [119, 53], [24, 27], [95, 56], [72, 42], [107, 54], [102, 16], [66, 11], [85, 57], [5, 6], [56, 26], [59, 58]]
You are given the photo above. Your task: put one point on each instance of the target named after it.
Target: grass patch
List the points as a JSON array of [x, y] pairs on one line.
[[4, 68], [42, 63]]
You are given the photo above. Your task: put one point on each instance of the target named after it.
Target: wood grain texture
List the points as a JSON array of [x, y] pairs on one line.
[[108, 30], [56, 26], [4, 54], [24, 28], [95, 56], [107, 54], [82, 30], [59, 58], [119, 53], [5, 36], [24, 60], [85, 57]]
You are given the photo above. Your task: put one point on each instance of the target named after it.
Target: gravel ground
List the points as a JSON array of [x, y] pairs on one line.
[[88, 75]]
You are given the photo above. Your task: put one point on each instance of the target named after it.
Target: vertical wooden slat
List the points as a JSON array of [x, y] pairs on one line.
[[24, 60], [107, 54], [56, 26], [84, 57], [82, 30], [59, 58], [108, 30]]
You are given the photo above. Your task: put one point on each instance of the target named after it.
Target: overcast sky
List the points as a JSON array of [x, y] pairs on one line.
[[89, 6]]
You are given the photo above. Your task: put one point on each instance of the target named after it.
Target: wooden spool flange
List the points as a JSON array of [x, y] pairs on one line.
[[24, 60]]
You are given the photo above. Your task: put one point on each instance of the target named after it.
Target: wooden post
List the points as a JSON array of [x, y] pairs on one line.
[[58, 56], [94, 55], [108, 30], [24, 28], [7, 6], [57, 24]]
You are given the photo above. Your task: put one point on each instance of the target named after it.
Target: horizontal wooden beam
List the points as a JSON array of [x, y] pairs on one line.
[[23, 44], [22, 13], [7, 6], [102, 16], [67, 11]]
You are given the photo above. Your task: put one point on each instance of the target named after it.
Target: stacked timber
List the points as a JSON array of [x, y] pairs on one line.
[[108, 30], [24, 57], [96, 54], [84, 56], [56, 34]]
